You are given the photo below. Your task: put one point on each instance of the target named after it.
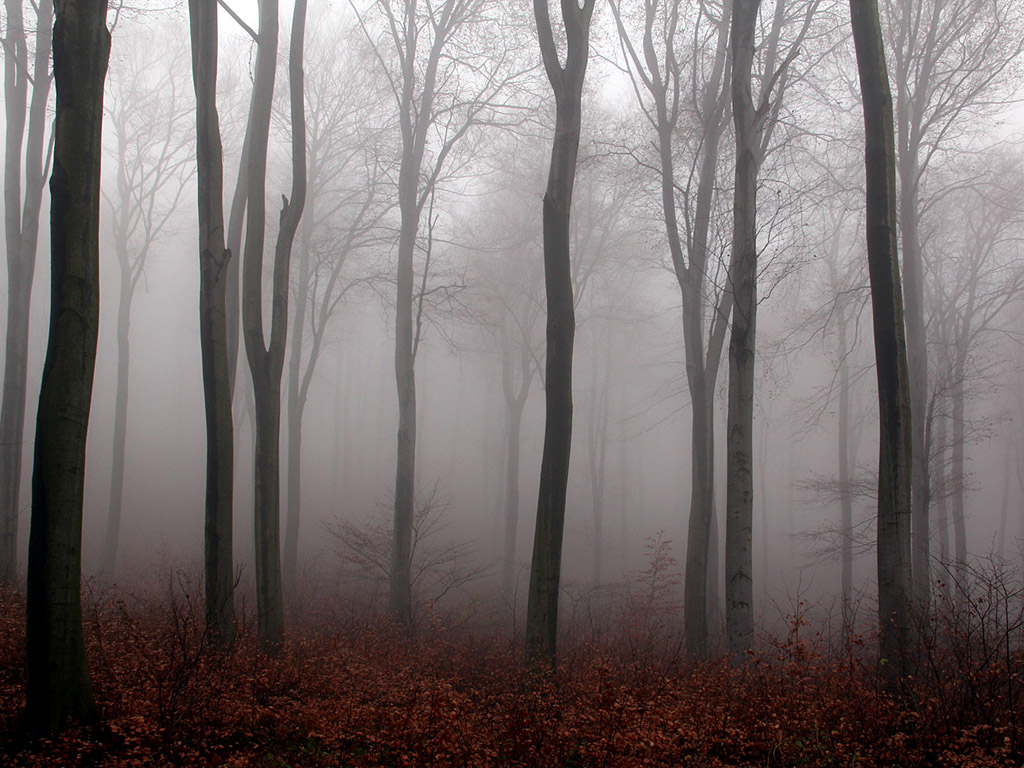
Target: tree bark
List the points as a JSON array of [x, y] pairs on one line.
[[21, 222], [266, 361], [567, 85], [739, 578], [847, 464], [515, 402], [213, 332], [124, 313], [895, 451], [58, 687]]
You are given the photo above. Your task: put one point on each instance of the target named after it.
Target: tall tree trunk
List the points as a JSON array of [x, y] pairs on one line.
[[124, 317], [739, 579], [513, 431], [942, 504], [895, 451], [298, 389], [917, 356], [847, 464], [567, 85], [58, 686], [214, 273], [21, 222], [958, 471], [266, 361], [400, 596]]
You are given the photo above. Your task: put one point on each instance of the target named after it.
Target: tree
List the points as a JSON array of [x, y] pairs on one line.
[[58, 686], [154, 165], [213, 334], [978, 279], [949, 60], [21, 225], [894, 451], [266, 361], [567, 84], [440, 96], [739, 582], [656, 69], [348, 164]]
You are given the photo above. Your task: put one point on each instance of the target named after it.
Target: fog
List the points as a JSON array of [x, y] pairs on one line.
[[631, 461]]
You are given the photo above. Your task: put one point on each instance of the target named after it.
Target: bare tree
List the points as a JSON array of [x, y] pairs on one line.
[[894, 453], [567, 83], [154, 165], [972, 287], [348, 169], [950, 58], [266, 360], [440, 565], [21, 225], [58, 686], [448, 74], [660, 77]]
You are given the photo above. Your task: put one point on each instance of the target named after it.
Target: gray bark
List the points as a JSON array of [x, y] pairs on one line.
[[214, 259], [266, 360], [21, 223], [567, 85], [690, 262], [895, 447], [58, 686], [739, 580]]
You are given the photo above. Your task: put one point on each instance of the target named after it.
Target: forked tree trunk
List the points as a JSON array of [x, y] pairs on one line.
[[266, 361], [739, 579], [894, 454], [567, 84], [58, 688], [214, 273], [21, 222]]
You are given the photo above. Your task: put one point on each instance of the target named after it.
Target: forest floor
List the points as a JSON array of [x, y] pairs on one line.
[[359, 693]]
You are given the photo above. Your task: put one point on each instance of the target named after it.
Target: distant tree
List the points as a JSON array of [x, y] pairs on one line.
[[214, 259], [266, 360], [567, 83], [894, 453], [21, 227], [972, 288], [148, 117], [448, 73], [346, 203], [661, 71], [58, 687], [952, 61]]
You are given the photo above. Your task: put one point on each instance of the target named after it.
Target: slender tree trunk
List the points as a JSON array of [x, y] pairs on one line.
[[958, 471], [942, 504], [513, 431], [266, 361], [917, 358], [739, 580], [567, 84], [894, 460], [400, 596], [21, 221], [58, 688], [698, 539], [846, 464], [124, 314], [297, 393], [214, 273]]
